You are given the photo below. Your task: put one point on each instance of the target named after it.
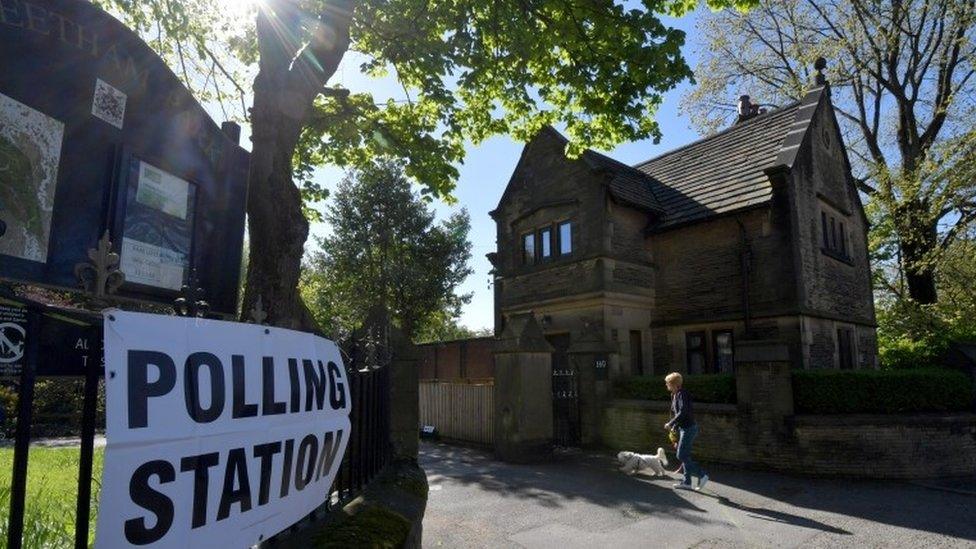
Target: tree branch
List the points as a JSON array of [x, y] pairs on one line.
[[318, 60]]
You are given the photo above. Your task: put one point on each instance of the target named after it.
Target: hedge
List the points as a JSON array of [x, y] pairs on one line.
[[58, 403], [881, 391], [717, 388], [831, 391]]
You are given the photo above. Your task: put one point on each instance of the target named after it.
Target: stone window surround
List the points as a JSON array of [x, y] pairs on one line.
[[855, 356], [528, 256], [832, 220], [702, 349], [555, 243], [715, 333], [708, 347]]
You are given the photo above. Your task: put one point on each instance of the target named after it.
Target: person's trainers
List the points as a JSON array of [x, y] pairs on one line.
[[682, 486], [702, 482]]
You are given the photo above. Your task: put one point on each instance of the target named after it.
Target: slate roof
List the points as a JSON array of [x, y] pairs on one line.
[[725, 171], [628, 185], [720, 173]]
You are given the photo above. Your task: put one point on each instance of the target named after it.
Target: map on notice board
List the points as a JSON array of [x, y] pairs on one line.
[[30, 151]]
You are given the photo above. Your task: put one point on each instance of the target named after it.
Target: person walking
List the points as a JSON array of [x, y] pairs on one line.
[[683, 420]]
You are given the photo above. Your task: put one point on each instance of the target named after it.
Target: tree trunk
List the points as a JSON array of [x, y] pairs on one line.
[[918, 240], [919, 274], [277, 228], [921, 286], [290, 76]]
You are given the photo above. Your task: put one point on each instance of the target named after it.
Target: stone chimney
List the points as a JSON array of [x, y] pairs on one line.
[[819, 78], [747, 110]]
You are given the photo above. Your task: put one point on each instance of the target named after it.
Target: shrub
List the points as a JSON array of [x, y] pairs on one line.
[[881, 391], [911, 335], [57, 408], [904, 353], [8, 401], [717, 388]]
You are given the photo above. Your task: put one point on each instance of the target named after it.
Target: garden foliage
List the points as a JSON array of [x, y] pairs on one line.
[[831, 391], [717, 388], [879, 391]]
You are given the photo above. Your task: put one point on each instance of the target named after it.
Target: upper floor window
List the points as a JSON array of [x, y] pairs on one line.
[[565, 238], [833, 234], [545, 243], [528, 249]]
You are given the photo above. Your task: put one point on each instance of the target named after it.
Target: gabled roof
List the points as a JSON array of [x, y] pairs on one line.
[[722, 172], [627, 185]]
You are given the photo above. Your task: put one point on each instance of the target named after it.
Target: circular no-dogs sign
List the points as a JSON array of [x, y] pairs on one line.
[[12, 338]]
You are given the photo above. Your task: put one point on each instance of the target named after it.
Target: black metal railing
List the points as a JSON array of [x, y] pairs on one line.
[[48, 355], [368, 451], [51, 350]]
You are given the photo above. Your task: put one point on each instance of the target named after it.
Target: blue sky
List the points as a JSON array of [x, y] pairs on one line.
[[489, 165]]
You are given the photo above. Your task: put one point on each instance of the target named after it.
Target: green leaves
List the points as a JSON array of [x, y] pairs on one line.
[[482, 68], [386, 249], [470, 69], [717, 388], [354, 131], [886, 392]]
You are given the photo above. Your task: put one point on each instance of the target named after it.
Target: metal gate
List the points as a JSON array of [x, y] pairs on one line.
[[565, 395]]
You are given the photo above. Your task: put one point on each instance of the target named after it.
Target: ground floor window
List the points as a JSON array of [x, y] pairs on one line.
[[695, 345], [636, 353], [722, 350], [845, 348]]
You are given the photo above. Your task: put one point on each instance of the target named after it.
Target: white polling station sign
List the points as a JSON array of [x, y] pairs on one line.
[[219, 434]]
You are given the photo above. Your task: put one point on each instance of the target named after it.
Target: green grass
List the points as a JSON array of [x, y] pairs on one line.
[[52, 489]]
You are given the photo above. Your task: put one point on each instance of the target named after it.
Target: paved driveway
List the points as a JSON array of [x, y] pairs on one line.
[[581, 500]]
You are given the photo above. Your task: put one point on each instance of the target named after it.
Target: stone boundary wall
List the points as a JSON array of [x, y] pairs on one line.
[[857, 445]]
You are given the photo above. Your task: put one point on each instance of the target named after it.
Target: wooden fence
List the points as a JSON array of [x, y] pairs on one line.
[[462, 411]]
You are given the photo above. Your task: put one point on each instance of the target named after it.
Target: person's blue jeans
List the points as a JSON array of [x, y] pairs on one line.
[[691, 467]]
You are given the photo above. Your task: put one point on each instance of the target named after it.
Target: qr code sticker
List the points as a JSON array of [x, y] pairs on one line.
[[109, 104]]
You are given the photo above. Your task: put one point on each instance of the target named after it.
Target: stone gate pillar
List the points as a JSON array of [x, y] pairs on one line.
[[404, 409], [589, 355], [523, 391], [764, 388]]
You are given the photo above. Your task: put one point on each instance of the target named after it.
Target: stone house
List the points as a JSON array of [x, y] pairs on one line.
[[755, 232]]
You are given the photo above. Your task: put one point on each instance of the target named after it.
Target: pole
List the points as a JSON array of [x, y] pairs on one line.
[[83, 509], [25, 403]]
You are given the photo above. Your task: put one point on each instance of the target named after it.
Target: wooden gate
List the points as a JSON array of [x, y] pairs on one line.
[[565, 394], [459, 410]]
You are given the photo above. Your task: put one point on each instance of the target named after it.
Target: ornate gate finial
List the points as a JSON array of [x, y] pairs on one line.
[[191, 302], [257, 312], [101, 276]]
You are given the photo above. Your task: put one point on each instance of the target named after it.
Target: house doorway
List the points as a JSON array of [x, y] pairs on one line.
[[565, 394]]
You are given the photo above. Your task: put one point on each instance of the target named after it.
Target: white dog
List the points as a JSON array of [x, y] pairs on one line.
[[631, 462]]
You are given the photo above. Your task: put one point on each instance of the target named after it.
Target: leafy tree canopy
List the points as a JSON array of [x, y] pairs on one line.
[[386, 249], [913, 335], [469, 69]]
